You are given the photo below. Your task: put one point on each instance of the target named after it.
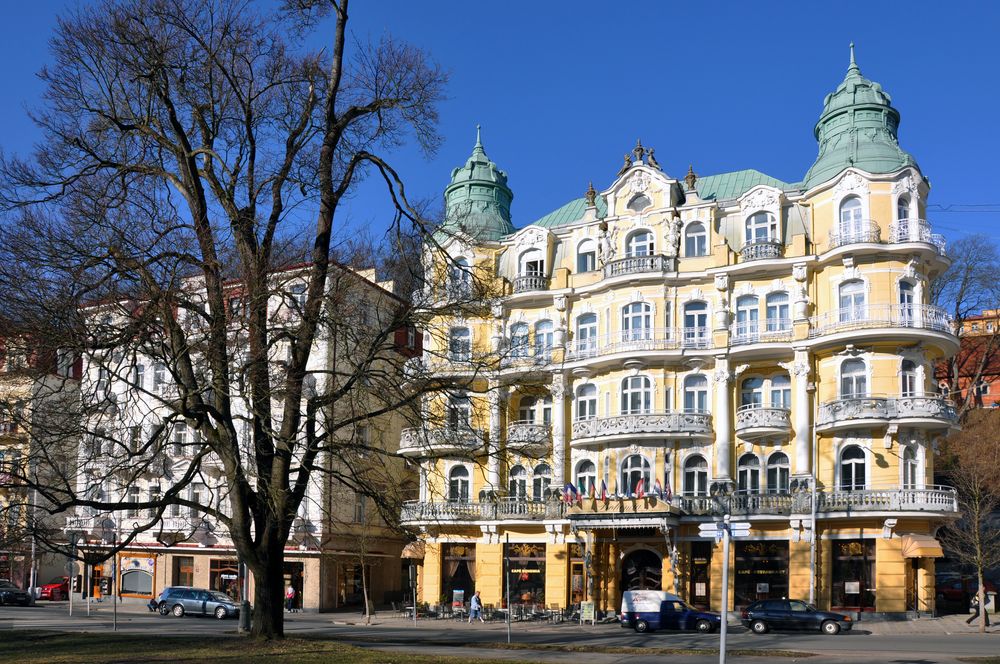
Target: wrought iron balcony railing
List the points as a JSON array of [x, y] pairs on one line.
[[859, 232], [915, 230], [923, 316]]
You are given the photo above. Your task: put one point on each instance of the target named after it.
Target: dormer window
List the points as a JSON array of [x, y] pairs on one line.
[[639, 243], [533, 263], [761, 227], [639, 203]]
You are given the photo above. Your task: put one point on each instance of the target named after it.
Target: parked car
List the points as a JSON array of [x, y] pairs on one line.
[[55, 590], [768, 614], [184, 600], [648, 610], [11, 594], [959, 589]]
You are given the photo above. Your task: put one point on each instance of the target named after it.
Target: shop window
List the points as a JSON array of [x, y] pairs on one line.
[[761, 571], [183, 571], [224, 576], [642, 570], [525, 574], [853, 575], [137, 582]]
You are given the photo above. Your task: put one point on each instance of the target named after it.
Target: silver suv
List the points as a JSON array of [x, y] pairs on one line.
[[183, 600]]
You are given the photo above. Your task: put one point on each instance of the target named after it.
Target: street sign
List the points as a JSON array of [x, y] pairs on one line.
[[739, 529]]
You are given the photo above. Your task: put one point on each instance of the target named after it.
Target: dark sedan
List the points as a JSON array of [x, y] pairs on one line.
[[768, 614], [11, 594]]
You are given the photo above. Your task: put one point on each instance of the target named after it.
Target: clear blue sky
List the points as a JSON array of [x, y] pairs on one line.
[[563, 89]]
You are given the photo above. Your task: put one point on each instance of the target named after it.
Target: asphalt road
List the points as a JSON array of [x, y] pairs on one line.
[[460, 639]]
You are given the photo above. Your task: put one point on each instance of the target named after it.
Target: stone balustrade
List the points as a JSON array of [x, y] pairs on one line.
[[663, 423], [655, 264], [850, 409], [419, 441]]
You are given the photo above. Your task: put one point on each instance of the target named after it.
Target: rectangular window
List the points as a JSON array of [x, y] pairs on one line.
[[586, 262], [180, 438], [139, 378], [360, 508], [183, 571]]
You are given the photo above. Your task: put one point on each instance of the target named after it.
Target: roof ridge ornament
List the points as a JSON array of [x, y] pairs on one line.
[[638, 150], [591, 196], [478, 147], [853, 67], [626, 166], [652, 160], [690, 178]]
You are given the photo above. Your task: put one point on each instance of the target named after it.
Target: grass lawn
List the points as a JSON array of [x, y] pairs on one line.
[[34, 647]]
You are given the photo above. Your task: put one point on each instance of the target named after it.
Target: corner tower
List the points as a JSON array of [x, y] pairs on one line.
[[477, 201], [857, 128]]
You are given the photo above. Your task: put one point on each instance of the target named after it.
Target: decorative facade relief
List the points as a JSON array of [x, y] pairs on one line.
[[760, 199]]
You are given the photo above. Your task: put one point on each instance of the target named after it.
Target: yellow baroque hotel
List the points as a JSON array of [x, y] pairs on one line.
[[667, 351]]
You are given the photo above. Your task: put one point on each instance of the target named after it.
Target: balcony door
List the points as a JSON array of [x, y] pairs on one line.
[[851, 224]]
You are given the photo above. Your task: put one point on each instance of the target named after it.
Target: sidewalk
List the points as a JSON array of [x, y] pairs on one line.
[[950, 624]]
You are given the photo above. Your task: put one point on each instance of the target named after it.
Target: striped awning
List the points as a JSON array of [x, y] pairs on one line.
[[921, 546]]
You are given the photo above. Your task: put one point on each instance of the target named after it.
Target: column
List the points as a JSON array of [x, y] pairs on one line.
[[558, 430], [422, 466], [802, 412], [722, 416], [497, 399]]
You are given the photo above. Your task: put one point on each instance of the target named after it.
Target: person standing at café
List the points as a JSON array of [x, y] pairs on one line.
[[476, 608], [290, 598]]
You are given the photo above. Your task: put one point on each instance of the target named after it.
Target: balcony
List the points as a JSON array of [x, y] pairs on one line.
[[529, 283], [526, 357], [528, 438], [646, 425], [865, 231], [914, 316], [639, 341], [447, 441], [755, 421], [762, 249], [915, 230], [755, 332], [655, 264], [933, 498], [848, 412], [515, 509]]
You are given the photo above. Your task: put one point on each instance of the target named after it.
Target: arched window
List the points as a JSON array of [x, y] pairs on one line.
[[586, 402], [637, 321], [586, 477], [586, 256], [459, 411], [517, 487], [748, 474], [695, 394], [586, 334], [543, 338], [639, 203], [460, 345], [532, 263], [903, 208], [639, 243], [911, 468], [907, 378], [853, 379], [781, 391], [637, 395], [526, 410], [458, 485], [519, 343], [852, 301], [761, 227], [852, 469], [906, 302], [851, 225], [752, 392], [634, 468], [460, 277], [540, 481], [695, 239], [747, 319], [778, 319], [696, 476], [696, 324], [777, 473]]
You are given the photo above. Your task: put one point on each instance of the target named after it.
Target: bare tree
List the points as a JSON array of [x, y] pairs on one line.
[[972, 465], [166, 222], [967, 288]]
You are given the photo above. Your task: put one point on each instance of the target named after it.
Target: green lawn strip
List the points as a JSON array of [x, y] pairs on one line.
[[38, 647]]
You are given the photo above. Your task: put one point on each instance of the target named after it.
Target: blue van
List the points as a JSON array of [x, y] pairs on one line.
[[648, 610]]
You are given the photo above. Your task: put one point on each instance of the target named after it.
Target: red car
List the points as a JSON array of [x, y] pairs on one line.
[[956, 589], [55, 590]]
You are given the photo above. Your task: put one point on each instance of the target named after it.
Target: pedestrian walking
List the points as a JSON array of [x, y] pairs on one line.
[[290, 598], [476, 608], [975, 606]]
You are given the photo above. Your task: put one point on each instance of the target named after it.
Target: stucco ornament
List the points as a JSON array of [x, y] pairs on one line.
[[722, 282], [672, 248], [532, 236], [606, 246], [639, 183], [905, 185], [722, 376], [800, 271], [760, 199], [851, 183]]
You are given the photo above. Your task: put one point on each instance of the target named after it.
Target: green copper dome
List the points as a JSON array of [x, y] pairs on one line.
[[477, 202], [857, 128]]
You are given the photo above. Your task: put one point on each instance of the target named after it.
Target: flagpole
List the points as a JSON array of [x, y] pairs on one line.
[[506, 563]]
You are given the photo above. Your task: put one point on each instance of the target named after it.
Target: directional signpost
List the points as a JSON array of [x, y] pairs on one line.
[[724, 530]]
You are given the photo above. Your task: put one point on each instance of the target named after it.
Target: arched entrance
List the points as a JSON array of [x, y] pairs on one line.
[[642, 569]]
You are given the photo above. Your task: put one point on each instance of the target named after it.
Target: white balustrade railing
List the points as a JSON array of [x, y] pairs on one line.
[[875, 407], [931, 498], [856, 232], [656, 263], [761, 331], [668, 422], [530, 282], [500, 509], [762, 249], [416, 440], [915, 230], [639, 340], [925, 316], [752, 416]]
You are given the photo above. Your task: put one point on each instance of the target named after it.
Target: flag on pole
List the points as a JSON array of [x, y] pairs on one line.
[[640, 488], [579, 498], [567, 493], [658, 489], [592, 491], [669, 497], [604, 491]]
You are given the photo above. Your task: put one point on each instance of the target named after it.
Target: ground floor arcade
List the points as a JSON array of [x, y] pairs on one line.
[[859, 565]]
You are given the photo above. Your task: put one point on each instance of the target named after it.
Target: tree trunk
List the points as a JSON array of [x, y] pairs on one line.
[[981, 595], [364, 591], [269, 594]]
